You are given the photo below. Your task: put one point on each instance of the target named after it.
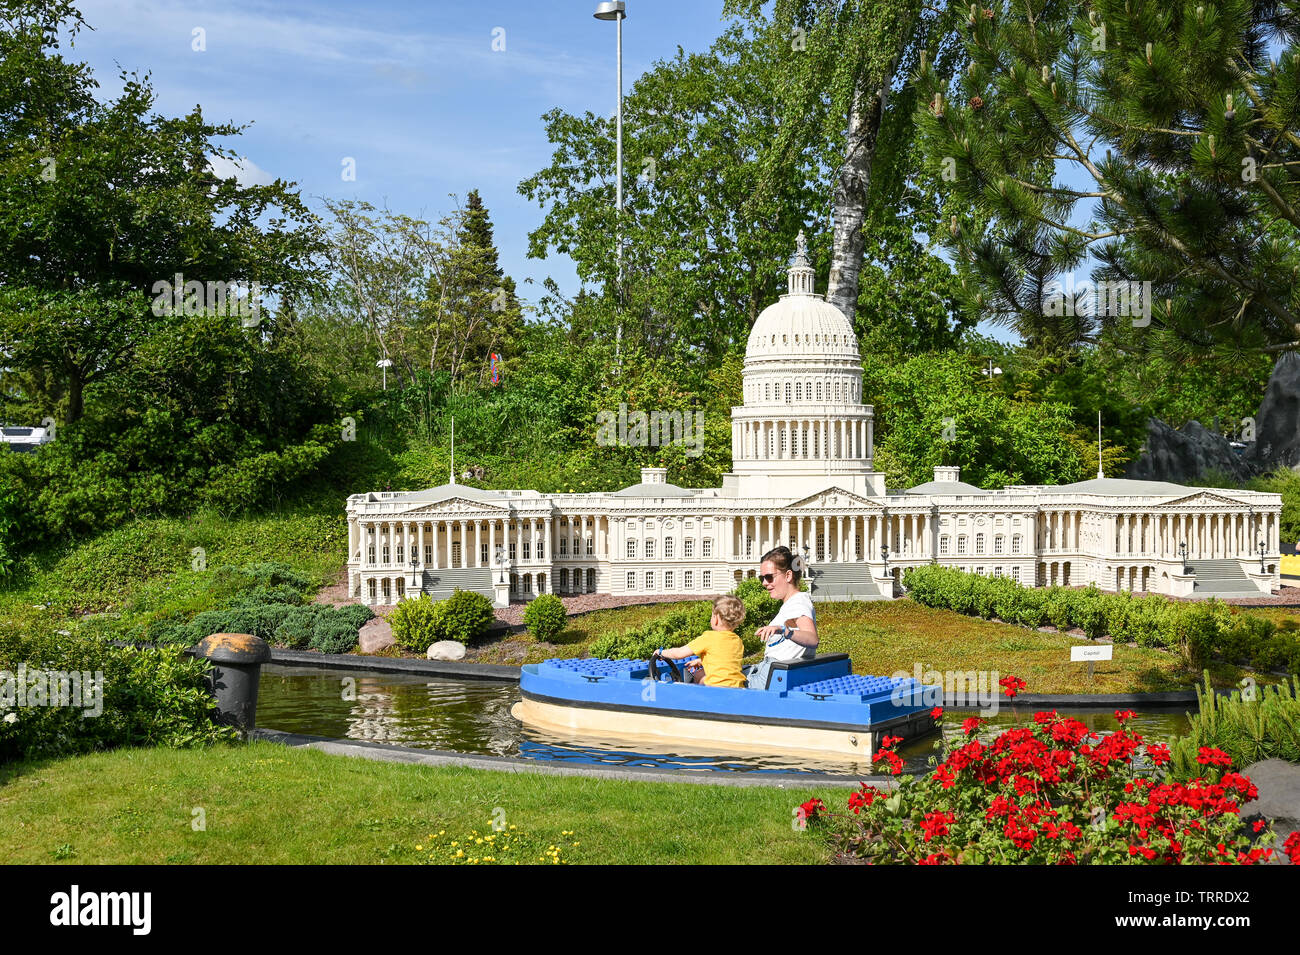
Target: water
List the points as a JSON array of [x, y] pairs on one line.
[[473, 716]]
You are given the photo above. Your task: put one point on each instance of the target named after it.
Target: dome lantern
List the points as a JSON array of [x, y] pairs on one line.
[[800, 275]]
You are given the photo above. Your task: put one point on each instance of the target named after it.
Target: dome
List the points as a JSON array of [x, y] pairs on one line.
[[802, 324]]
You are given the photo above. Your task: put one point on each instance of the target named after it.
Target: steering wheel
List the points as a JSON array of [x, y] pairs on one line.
[[673, 671]]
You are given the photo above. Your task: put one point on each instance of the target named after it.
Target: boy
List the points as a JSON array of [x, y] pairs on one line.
[[719, 648]]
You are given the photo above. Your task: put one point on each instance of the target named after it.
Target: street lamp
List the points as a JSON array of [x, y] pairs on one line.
[[384, 363], [616, 10], [1262, 551], [990, 370], [414, 564], [1182, 552], [501, 561]]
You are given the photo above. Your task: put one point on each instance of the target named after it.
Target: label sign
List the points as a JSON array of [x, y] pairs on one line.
[[1101, 652]]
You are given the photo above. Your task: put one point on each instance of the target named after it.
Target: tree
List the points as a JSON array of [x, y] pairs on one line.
[[100, 202], [1157, 138]]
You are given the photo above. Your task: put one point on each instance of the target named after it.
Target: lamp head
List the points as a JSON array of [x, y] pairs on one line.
[[611, 10]]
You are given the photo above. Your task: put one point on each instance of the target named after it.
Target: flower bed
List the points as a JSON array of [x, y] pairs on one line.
[[1052, 792]]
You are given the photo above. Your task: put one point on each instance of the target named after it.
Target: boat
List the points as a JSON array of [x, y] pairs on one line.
[[817, 707]]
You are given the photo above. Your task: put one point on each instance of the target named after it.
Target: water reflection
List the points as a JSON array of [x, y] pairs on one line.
[[473, 716]]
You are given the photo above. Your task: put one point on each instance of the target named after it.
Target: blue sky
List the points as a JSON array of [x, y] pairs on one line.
[[414, 92]]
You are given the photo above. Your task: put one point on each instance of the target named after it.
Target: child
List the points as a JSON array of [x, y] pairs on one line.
[[718, 648]]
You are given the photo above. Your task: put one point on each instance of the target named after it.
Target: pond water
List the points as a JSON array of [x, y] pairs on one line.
[[473, 717]]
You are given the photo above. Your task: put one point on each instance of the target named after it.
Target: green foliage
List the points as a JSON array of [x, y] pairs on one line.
[[1262, 722], [466, 617], [417, 622], [673, 630], [332, 635], [151, 698], [1199, 631], [545, 617]]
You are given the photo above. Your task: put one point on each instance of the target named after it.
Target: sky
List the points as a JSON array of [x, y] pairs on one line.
[[414, 92]]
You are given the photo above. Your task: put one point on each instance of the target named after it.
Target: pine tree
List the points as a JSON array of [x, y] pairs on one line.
[[1184, 134]]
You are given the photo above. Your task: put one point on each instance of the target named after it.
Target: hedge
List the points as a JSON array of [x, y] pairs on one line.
[[1199, 631]]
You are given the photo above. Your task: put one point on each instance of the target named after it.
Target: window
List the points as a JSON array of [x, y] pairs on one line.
[[857, 546], [370, 554], [688, 547], [527, 544], [708, 579], [708, 547], [749, 546], [455, 554], [541, 548], [979, 543], [1015, 544], [631, 580], [1015, 574], [577, 546], [668, 580], [668, 548], [787, 391], [821, 546], [591, 545], [767, 392], [997, 571], [798, 391], [649, 548], [943, 544], [591, 581], [564, 580], [512, 550], [961, 544], [980, 571], [631, 548], [483, 554], [564, 547], [819, 391], [689, 579], [649, 580], [997, 544], [401, 554], [386, 560]]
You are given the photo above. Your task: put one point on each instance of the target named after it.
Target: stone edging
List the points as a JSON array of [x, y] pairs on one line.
[[512, 764]]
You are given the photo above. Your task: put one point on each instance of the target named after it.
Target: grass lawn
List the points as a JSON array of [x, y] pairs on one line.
[[266, 804], [886, 636]]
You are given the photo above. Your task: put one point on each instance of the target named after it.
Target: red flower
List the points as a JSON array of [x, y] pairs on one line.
[[889, 741], [1011, 685], [936, 712], [863, 798], [936, 824], [1124, 716], [1292, 847], [1208, 756], [1158, 753], [812, 808], [894, 760], [970, 724]]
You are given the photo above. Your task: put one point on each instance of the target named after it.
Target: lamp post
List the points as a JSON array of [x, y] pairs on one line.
[[990, 371], [1182, 553], [501, 561], [414, 564], [616, 10], [384, 363], [1262, 551]]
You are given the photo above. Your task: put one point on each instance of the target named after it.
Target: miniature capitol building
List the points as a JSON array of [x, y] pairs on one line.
[[802, 476]]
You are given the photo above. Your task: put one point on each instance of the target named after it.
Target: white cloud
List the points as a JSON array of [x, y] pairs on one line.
[[244, 171]]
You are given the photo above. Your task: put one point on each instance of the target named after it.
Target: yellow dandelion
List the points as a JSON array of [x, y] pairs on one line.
[[419, 848], [459, 853], [478, 842]]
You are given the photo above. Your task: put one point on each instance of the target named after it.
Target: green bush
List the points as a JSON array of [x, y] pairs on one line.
[[417, 623], [545, 617], [332, 635], [1266, 725], [296, 631], [355, 614], [467, 616], [151, 697], [672, 630]]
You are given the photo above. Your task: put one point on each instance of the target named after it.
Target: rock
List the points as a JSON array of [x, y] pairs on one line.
[[1279, 797], [375, 635], [1184, 455], [1277, 423], [446, 650]]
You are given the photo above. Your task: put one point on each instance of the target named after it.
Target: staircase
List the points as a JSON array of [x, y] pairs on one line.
[[834, 581], [441, 582], [1222, 579]]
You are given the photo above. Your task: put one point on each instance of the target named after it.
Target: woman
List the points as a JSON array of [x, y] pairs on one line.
[[785, 641]]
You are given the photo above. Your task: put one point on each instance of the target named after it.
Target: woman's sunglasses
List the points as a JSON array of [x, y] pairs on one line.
[[767, 578]]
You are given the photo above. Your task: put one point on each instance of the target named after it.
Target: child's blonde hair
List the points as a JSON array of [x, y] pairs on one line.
[[730, 610]]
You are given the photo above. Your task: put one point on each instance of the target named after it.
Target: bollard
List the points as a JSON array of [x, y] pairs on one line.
[[237, 660]]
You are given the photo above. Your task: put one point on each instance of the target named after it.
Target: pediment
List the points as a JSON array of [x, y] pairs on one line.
[[454, 505], [1203, 499], [835, 498]]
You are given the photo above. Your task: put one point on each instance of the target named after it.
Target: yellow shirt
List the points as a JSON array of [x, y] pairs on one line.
[[720, 651]]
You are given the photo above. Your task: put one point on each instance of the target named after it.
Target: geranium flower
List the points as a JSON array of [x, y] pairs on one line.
[[936, 824], [1209, 756], [936, 712], [1158, 753], [970, 724], [1011, 685], [1124, 716]]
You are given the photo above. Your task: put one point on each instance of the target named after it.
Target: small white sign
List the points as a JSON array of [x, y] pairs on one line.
[[1100, 652]]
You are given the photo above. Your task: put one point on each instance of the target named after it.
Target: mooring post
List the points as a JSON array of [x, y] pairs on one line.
[[237, 660]]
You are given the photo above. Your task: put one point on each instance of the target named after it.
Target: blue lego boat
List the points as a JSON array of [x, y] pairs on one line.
[[816, 707]]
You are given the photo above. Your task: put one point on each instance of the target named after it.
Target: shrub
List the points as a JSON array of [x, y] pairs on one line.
[[332, 635], [1032, 795], [296, 631], [467, 616], [1264, 725], [151, 697], [545, 617], [355, 614], [417, 623]]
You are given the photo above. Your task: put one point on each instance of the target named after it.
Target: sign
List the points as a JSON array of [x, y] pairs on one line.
[[1099, 652]]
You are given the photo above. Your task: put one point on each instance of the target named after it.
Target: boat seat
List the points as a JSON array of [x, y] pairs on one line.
[[787, 674]]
